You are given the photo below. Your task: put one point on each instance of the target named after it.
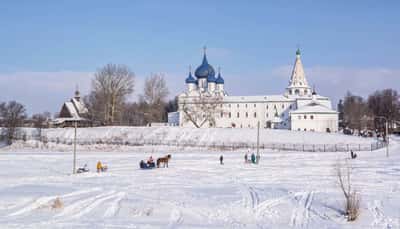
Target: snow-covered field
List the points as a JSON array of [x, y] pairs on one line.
[[204, 137], [287, 189]]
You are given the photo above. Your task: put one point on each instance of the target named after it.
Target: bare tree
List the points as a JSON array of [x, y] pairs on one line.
[[201, 110], [352, 198], [13, 115], [40, 121], [354, 110], [386, 104], [110, 88], [154, 98]]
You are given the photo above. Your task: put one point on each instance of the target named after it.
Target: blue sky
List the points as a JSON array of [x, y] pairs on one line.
[[47, 47]]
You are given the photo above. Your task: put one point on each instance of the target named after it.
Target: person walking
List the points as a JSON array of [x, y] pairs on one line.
[[221, 160], [246, 157], [253, 158]]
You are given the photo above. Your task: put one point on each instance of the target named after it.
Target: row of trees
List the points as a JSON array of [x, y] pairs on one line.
[[370, 113], [112, 87]]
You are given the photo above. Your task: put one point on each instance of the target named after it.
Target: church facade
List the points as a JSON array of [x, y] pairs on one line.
[[299, 108]]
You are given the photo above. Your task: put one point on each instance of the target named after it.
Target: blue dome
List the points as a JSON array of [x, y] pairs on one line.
[[190, 79], [219, 79], [205, 70], [211, 78]]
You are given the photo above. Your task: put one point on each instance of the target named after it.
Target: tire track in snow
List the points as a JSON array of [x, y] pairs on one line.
[[301, 213], [84, 206], [115, 205], [45, 201], [175, 219]]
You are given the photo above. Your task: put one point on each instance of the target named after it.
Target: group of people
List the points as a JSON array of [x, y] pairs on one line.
[[253, 158], [149, 164], [99, 166]]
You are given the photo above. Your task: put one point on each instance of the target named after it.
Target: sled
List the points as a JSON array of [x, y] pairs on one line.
[[144, 165], [82, 170]]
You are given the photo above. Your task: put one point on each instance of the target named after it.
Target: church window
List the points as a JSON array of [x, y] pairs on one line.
[[296, 91], [222, 114], [247, 115], [305, 129], [229, 115], [290, 91], [246, 105], [237, 105], [305, 116], [312, 117], [290, 106], [255, 105], [267, 115], [267, 107], [237, 115], [283, 106], [255, 114], [274, 106], [305, 91]]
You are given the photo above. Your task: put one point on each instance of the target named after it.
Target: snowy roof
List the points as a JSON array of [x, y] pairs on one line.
[[314, 107], [71, 108], [81, 108], [61, 120]]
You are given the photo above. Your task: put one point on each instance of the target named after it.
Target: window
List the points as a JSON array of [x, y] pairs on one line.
[[246, 105], [290, 106], [305, 116], [229, 115], [237, 105], [305, 129], [241, 126], [255, 114], [248, 125], [297, 92], [229, 105], [283, 115], [255, 105], [237, 115], [274, 106], [298, 129], [312, 117], [299, 117], [222, 114], [305, 91], [267, 115], [247, 115], [290, 91], [267, 107], [283, 106]]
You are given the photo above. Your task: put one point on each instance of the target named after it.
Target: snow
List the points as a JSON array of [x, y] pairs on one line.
[[314, 107], [286, 190]]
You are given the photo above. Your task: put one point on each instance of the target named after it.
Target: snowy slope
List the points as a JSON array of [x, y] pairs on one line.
[[193, 137], [286, 190]]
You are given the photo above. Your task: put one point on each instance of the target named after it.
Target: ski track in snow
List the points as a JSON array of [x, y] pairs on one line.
[[115, 205], [379, 217], [301, 212], [175, 218]]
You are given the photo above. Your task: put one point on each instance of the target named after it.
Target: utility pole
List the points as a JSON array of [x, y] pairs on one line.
[[258, 137], [387, 138], [74, 163]]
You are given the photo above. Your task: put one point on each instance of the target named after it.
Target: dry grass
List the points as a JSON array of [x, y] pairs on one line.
[[57, 204], [352, 197]]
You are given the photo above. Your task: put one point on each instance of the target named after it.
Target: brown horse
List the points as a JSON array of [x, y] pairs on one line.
[[163, 160]]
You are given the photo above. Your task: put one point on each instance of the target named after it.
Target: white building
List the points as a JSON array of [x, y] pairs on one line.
[[298, 108]]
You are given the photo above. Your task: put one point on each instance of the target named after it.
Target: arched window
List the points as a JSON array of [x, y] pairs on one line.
[[305, 91], [267, 107], [222, 114], [246, 105], [290, 91], [247, 115], [267, 115], [255, 114], [237, 115], [312, 117], [297, 92], [305, 116], [229, 115], [283, 106]]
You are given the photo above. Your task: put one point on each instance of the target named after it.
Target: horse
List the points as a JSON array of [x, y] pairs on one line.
[[163, 160]]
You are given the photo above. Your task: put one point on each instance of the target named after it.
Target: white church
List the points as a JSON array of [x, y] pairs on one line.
[[299, 108]]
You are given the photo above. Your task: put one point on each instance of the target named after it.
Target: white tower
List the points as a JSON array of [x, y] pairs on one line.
[[298, 86]]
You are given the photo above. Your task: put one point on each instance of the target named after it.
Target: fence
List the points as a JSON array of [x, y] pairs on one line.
[[220, 145]]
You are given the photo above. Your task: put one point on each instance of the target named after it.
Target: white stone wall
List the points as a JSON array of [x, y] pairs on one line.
[[314, 122]]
